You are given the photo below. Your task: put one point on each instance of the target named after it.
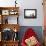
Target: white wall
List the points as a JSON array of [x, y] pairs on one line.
[[27, 4], [31, 4], [7, 3]]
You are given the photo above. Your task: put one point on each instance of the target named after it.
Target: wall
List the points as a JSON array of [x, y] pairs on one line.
[[31, 4], [27, 4]]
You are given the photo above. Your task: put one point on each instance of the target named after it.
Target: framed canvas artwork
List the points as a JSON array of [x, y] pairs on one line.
[[30, 13]]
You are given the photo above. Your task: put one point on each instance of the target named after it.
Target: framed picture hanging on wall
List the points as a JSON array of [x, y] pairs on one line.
[[30, 13]]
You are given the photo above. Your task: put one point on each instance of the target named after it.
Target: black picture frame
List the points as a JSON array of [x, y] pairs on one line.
[[32, 13]]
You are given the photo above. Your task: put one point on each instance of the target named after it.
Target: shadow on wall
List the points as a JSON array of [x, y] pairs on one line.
[[37, 29]]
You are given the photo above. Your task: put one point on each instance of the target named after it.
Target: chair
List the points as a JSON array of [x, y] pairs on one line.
[[29, 33]]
